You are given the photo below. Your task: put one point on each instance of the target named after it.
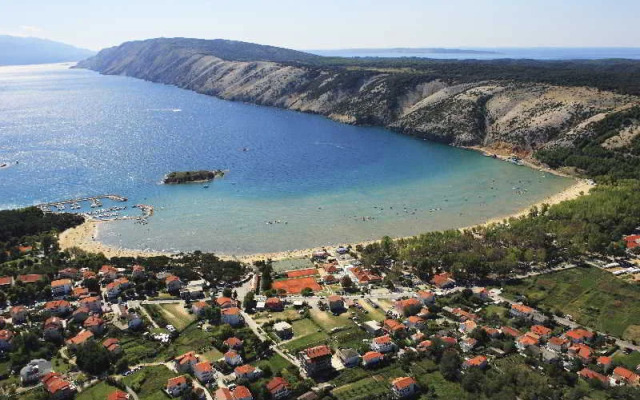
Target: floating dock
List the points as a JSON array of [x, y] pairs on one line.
[[99, 213]]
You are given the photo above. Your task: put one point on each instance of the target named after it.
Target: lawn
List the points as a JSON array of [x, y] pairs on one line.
[[630, 361], [304, 327], [328, 321], [176, 315], [99, 391], [374, 313], [212, 355], [292, 264], [595, 298], [59, 364], [276, 362], [268, 316], [314, 339], [191, 339], [149, 382], [493, 309]]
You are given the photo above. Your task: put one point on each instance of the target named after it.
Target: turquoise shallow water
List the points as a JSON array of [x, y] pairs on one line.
[[76, 133]]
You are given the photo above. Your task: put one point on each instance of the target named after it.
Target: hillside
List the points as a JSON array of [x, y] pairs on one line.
[[518, 105], [26, 50]]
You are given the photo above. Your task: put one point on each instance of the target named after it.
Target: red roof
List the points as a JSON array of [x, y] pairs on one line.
[[271, 301], [93, 321], [318, 352], [626, 374], [393, 325], [203, 367], [224, 301], [61, 282], [53, 322], [111, 344], [633, 241], [56, 304], [171, 278], [233, 342], [403, 383], [382, 339], [371, 355], [108, 269], [507, 330], [178, 380], [80, 337], [118, 395], [442, 279], [231, 311], [476, 361], [277, 384], [241, 392], [579, 334], [425, 344], [5, 280], [540, 330], [335, 298], [522, 308], [6, 335], [527, 340], [589, 374], [187, 358], [29, 278], [364, 276], [244, 369], [604, 360], [54, 383]]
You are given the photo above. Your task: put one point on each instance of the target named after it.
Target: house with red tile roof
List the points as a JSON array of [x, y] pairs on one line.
[[316, 360], [6, 281], [363, 277], [427, 297], [476, 362], [112, 345], [200, 307], [80, 292], [247, 372], [137, 271], [233, 343], [233, 358], [231, 316], [6, 336], [30, 278], [81, 314], [464, 315], [525, 341], [57, 387], [185, 362], [242, 393], [94, 324], [18, 314], [425, 345], [415, 322], [509, 331], [382, 344], [467, 326], [371, 358], [177, 386], [53, 328], [605, 362], [108, 272], [203, 371], [582, 351], [279, 388], [58, 307], [492, 332], [118, 395], [227, 302], [403, 387], [336, 303], [80, 339], [579, 335], [558, 344], [468, 344], [588, 375], [632, 241], [521, 311], [443, 280], [93, 303], [623, 375], [542, 331], [61, 287], [408, 307], [87, 274], [394, 327], [272, 303], [173, 283]]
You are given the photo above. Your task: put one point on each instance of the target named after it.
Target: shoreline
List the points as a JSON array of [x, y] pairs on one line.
[[84, 236]]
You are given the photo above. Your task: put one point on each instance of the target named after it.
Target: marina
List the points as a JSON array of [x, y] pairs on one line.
[[98, 212]]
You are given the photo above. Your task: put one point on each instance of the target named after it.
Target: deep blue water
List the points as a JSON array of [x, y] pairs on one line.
[[77, 133], [534, 53]]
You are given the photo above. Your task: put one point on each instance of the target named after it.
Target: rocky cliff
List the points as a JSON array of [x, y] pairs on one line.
[[516, 113]]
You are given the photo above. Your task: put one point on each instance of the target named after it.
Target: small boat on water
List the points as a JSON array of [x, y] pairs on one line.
[[205, 187]]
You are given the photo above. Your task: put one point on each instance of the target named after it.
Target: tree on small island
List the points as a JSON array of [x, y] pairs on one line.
[[178, 177]]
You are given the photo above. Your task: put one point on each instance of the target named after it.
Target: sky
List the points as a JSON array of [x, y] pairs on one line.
[[331, 24]]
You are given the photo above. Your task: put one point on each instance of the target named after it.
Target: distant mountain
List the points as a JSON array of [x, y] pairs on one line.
[[27, 50], [405, 50]]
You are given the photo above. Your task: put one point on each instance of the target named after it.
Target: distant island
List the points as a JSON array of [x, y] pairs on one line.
[[179, 177]]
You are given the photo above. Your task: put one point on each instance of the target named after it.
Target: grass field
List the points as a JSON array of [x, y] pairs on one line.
[[304, 327], [374, 313], [595, 298], [99, 391], [267, 316], [314, 339], [493, 309], [291, 264], [149, 382], [630, 361], [212, 355], [328, 321], [176, 315], [276, 362]]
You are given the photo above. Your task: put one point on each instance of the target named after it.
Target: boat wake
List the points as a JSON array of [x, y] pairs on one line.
[[165, 109]]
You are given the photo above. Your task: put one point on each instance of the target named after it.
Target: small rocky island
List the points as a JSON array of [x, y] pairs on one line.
[[179, 177]]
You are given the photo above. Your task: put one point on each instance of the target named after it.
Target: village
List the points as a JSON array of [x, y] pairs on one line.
[[305, 329]]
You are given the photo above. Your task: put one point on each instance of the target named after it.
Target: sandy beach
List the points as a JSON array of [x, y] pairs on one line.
[[84, 236]]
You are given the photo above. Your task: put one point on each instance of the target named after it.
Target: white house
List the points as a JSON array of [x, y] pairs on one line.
[[203, 371], [231, 316], [177, 386], [232, 358], [404, 387], [61, 287], [382, 344]]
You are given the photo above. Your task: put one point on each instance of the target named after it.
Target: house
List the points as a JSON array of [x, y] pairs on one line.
[[199, 308], [94, 324], [526, 341], [418, 337], [30, 278], [492, 332], [113, 289], [467, 326], [448, 341], [404, 387], [223, 393], [426, 297], [582, 351], [57, 387], [227, 302], [177, 386], [623, 375], [521, 311], [372, 358], [632, 241], [112, 345], [233, 343], [605, 362], [363, 277], [336, 303], [58, 307], [193, 289], [587, 374], [481, 293], [80, 292], [283, 329], [394, 327], [408, 307], [424, 312], [173, 283], [87, 274], [247, 372], [79, 339], [316, 360], [233, 358], [348, 357], [468, 344], [476, 362], [93, 303], [542, 331], [118, 395], [443, 281], [137, 271], [186, 362], [579, 335], [34, 370], [373, 327], [231, 316], [242, 393], [18, 314], [272, 304], [203, 371], [5, 281], [464, 315], [71, 273], [81, 314], [424, 345], [53, 328], [108, 272], [382, 344], [509, 331], [61, 287], [557, 344], [549, 356], [279, 388], [414, 322], [6, 336]]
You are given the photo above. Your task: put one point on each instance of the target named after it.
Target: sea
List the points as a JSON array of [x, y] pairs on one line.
[[293, 180]]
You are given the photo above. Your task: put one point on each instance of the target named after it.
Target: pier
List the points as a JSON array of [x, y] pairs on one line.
[[99, 213]]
